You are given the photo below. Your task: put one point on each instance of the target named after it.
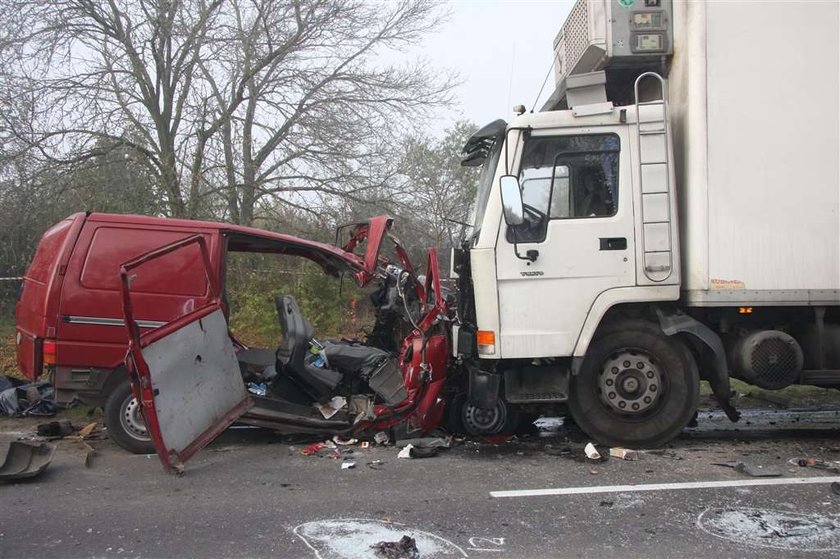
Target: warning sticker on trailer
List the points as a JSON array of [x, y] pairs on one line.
[[727, 284]]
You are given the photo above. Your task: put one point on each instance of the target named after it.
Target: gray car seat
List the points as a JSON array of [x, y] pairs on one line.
[[318, 382]]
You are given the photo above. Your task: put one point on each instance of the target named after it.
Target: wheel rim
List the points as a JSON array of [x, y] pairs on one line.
[[631, 383], [131, 420], [484, 421]]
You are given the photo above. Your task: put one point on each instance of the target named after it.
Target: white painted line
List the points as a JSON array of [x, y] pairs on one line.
[[664, 486]]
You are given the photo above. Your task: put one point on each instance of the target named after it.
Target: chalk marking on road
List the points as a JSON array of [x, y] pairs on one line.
[[663, 486], [361, 522], [476, 543], [791, 531]]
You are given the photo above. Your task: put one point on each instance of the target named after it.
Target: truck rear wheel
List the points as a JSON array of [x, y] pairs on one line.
[[637, 388], [124, 421]]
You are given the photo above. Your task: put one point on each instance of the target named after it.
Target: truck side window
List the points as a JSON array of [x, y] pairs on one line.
[[565, 177]]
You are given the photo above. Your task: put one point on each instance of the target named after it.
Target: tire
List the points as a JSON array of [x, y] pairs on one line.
[[125, 422], [637, 388], [502, 419]]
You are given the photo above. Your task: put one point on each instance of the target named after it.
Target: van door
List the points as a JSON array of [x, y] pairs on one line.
[[185, 373], [578, 205]]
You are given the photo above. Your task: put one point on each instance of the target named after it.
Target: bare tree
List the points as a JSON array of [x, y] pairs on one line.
[[109, 70], [251, 100], [319, 120]]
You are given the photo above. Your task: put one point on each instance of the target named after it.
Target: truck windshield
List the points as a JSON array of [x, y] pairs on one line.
[[485, 185]]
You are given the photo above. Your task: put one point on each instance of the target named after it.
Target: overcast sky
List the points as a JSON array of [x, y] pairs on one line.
[[502, 49]]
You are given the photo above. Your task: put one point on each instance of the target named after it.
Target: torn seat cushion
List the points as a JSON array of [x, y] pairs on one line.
[[354, 359]]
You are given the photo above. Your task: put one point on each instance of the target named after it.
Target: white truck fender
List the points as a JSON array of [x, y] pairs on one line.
[[611, 297]]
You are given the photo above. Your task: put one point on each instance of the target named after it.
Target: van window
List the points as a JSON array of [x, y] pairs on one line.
[[178, 273], [47, 255]]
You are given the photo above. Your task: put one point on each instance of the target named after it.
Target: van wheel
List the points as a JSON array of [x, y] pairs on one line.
[[124, 421], [637, 388]]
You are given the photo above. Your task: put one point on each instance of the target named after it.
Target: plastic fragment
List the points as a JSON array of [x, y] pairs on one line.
[[348, 465], [405, 452], [591, 452], [624, 453]]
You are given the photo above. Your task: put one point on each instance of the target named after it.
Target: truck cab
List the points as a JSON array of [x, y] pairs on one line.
[[576, 217]]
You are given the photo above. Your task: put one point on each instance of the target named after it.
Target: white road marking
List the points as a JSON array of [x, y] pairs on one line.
[[664, 486]]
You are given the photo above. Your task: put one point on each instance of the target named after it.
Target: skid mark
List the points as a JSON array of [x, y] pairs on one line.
[[352, 538]]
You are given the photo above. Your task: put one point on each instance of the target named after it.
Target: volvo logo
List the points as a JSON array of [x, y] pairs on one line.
[[530, 274]]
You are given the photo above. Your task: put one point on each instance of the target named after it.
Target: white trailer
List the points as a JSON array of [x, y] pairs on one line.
[[642, 233]]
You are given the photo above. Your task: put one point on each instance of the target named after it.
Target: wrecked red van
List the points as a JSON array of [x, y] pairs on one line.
[[70, 322]]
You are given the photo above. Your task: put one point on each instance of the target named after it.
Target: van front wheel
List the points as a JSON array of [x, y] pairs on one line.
[[124, 421], [637, 388]]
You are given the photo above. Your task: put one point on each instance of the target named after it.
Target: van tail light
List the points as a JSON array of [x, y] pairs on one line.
[[48, 352], [486, 342]]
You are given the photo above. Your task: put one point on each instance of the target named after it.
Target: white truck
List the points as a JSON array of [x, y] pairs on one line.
[[671, 215]]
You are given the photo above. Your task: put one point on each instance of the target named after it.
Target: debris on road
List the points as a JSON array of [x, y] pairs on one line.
[[751, 470], [381, 438], [557, 450], [664, 453], [424, 452], [425, 442], [314, 448], [25, 460], [348, 465], [344, 442], [60, 428], [410, 451], [87, 430], [331, 408], [405, 548], [624, 453], [35, 399], [591, 452], [405, 452], [376, 464], [811, 462]]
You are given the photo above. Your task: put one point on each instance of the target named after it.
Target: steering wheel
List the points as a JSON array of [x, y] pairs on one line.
[[534, 212]]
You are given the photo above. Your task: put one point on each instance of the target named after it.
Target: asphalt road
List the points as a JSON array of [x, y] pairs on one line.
[[251, 495]]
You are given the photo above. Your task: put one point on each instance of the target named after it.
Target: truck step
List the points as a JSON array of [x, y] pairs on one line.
[[820, 377], [538, 397]]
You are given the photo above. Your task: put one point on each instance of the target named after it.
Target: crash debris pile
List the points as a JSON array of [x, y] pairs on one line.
[[27, 399], [405, 548]]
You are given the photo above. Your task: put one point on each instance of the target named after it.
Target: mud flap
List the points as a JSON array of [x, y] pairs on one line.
[[484, 388], [718, 377]]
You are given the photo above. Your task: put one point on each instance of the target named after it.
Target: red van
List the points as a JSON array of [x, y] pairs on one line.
[[70, 317]]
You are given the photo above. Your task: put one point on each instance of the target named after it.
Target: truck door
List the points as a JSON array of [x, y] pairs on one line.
[[578, 205], [185, 373]]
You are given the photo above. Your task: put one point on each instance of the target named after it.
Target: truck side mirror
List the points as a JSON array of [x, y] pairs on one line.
[[512, 200]]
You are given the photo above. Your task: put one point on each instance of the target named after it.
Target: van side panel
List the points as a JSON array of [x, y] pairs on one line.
[[35, 311], [91, 332]]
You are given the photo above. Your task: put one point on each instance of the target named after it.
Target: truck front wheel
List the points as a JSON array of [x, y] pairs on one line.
[[637, 388], [124, 421]]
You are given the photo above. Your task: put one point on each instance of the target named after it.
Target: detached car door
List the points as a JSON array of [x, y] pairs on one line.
[[185, 373]]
